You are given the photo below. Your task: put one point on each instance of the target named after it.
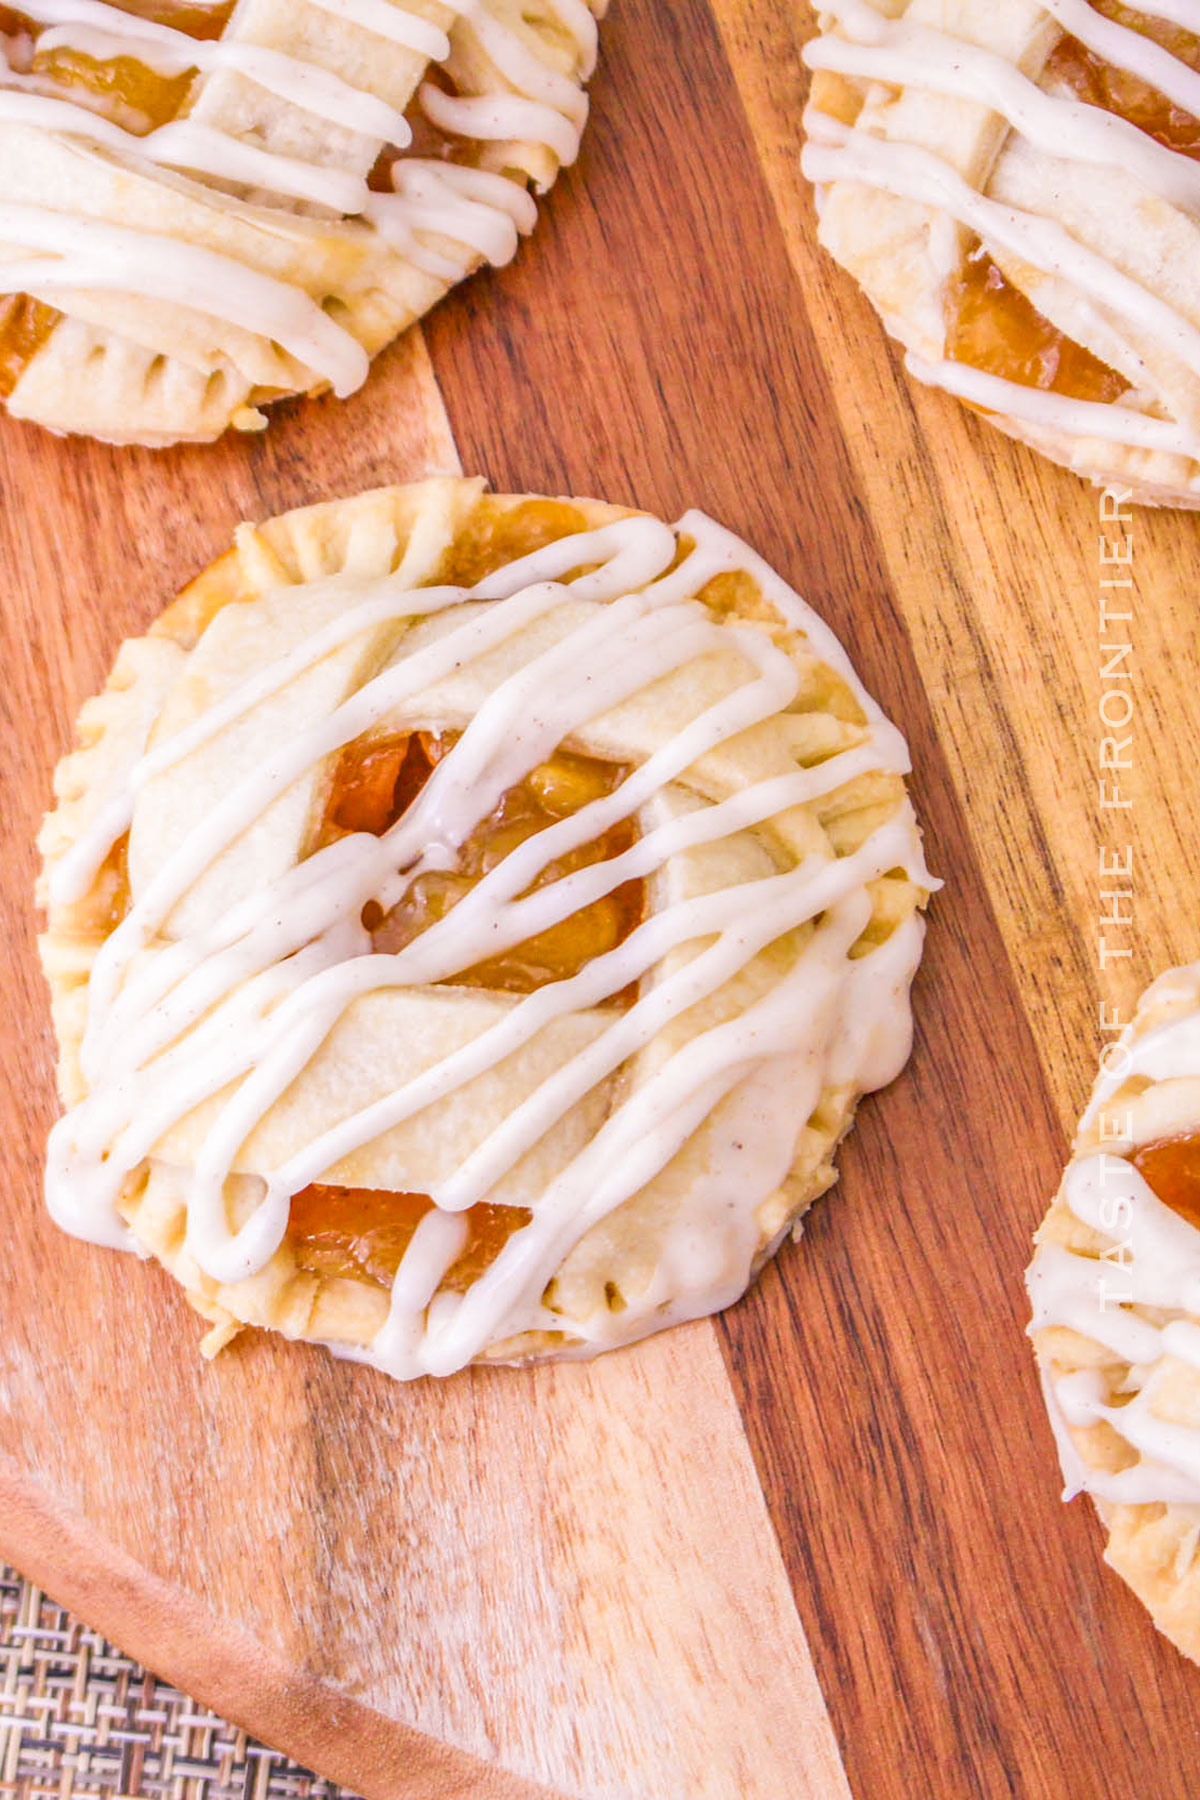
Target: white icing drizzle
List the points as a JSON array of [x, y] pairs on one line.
[[913, 173], [483, 211], [1131, 51], [442, 218], [533, 79], [397, 26], [183, 144], [578, 18], [80, 253], [1141, 1302], [499, 117], [868, 46], [250, 999], [1172, 12], [1170, 1050], [1110, 421]]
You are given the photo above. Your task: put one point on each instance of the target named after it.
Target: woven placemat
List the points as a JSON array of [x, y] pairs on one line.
[[79, 1720]]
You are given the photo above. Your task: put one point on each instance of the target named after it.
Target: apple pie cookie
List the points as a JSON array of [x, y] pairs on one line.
[[208, 205], [1115, 1287], [1016, 186], [472, 923]]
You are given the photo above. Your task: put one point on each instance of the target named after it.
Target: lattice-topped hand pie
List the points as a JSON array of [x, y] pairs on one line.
[[207, 205], [1115, 1286], [472, 922], [1017, 188]]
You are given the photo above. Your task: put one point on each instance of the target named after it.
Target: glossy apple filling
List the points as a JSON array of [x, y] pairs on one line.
[[363, 1233], [1170, 1167], [377, 780], [996, 329], [1101, 84]]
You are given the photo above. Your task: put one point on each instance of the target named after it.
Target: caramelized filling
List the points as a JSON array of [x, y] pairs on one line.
[[136, 96], [362, 1234], [1171, 1169], [112, 886], [375, 782], [996, 329], [124, 90], [25, 324], [1101, 84], [502, 535], [191, 17], [120, 88], [993, 326]]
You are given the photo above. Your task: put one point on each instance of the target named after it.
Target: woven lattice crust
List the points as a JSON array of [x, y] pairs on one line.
[[421, 532], [1090, 221], [182, 288]]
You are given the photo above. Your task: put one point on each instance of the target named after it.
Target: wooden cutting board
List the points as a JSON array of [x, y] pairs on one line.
[[815, 1548]]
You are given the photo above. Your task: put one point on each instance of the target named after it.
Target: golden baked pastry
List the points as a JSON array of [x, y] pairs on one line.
[[1115, 1287], [472, 922], [1016, 186], [207, 205]]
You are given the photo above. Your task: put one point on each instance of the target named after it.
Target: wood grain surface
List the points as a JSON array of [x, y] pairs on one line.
[[813, 1549]]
